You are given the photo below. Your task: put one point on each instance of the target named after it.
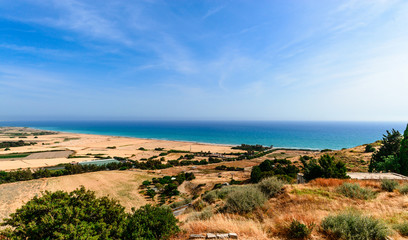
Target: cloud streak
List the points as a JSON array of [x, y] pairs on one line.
[[270, 56]]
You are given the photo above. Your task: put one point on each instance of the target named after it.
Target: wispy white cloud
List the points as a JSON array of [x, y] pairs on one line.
[[212, 12], [38, 51], [342, 55]]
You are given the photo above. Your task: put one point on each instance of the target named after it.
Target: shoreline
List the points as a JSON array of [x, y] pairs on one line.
[[177, 141], [138, 138]]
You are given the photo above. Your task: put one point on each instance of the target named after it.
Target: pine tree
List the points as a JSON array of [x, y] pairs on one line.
[[403, 158], [391, 146]]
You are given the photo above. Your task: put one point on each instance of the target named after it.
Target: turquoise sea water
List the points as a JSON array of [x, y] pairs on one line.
[[313, 135]]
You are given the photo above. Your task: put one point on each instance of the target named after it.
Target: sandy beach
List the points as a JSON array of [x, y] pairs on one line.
[[85, 146]]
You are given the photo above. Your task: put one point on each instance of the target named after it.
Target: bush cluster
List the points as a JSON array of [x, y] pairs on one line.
[[207, 213], [244, 199], [403, 189], [402, 228], [369, 148], [8, 144], [389, 185], [225, 168], [280, 168], [353, 226], [167, 185], [247, 147], [82, 215], [69, 169], [353, 190], [149, 222], [298, 230], [271, 187], [325, 167]]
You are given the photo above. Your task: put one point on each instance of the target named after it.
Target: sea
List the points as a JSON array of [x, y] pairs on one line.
[[303, 135]]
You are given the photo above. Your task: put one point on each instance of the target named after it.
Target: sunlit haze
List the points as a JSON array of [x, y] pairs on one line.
[[204, 60]]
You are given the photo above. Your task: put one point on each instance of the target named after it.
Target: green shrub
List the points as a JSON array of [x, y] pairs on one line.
[[298, 230], [199, 205], [325, 167], [256, 174], [353, 190], [210, 197], [225, 191], [244, 199], [369, 148], [402, 228], [151, 222], [207, 213], [62, 215], [389, 185], [271, 187], [403, 189], [352, 226]]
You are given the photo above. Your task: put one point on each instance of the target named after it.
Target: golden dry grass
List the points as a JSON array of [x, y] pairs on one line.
[[307, 203]]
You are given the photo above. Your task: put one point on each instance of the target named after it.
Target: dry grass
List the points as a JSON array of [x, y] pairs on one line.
[[327, 182], [224, 223], [333, 182], [309, 204]]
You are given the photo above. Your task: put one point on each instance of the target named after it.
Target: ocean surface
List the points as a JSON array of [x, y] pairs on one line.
[[311, 135]]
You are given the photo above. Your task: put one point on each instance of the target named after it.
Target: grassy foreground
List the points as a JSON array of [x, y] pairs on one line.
[[311, 205]]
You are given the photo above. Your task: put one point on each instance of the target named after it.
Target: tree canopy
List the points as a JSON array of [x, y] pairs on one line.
[[325, 167], [391, 146], [393, 154], [82, 215], [404, 153]]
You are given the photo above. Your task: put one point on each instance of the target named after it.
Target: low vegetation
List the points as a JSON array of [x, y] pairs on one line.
[[82, 215], [150, 222], [225, 168], [14, 155], [280, 168], [244, 199], [68, 169], [354, 226], [369, 148], [403, 189], [402, 229], [271, 187], [389, 185], [9, 144], [353, 190], [298, 230], [252, 148], [165, 187]]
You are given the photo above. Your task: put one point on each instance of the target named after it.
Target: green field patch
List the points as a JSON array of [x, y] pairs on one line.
[[14, 155], [313, 191]]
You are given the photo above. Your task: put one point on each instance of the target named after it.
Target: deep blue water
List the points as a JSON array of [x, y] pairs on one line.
[[313, 135]]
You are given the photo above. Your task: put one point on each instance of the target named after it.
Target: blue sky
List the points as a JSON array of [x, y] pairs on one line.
[[204, 60]]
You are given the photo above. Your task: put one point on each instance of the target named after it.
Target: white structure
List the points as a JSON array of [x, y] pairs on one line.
[[376, 176]]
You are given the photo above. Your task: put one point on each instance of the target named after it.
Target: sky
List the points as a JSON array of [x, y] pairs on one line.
[[204, 60]]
